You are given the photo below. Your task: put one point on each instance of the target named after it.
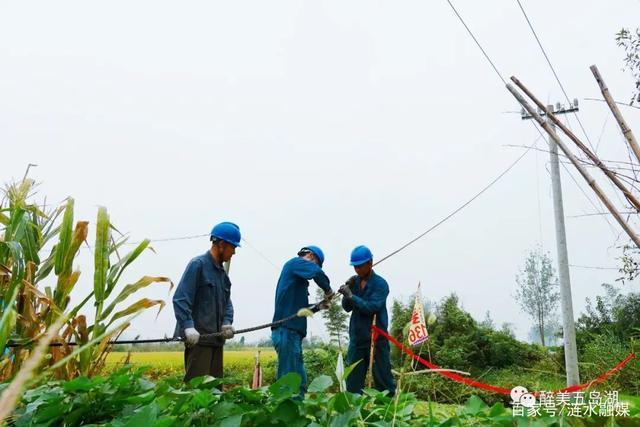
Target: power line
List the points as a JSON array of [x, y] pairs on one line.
[[504, 82], [170, 239], [262, 255], [477, 43], [604, 125], [596, 207], [617, 102], [598, 214], [553, 70], [593, 267], [199, 236], [464, 205]]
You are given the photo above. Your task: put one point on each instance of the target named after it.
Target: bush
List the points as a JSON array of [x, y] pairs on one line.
[[457, 341], [613, 313], [604, 352]]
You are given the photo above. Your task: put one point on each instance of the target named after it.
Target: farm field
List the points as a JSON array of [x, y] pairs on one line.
[[235, 358]]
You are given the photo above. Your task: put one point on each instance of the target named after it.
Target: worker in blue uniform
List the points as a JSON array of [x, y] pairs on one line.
[[365, 295], [202, 304], [292, 294]]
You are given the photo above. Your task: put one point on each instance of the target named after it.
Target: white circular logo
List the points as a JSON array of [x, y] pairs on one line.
[[517, 392], [528, 400]]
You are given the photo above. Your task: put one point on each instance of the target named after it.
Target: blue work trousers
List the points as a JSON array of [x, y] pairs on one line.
[[288, 344], [382, 377]]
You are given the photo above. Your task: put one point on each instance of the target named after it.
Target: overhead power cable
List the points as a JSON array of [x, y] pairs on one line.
[[590, 267], [464, 205], [477, 42], [553, 70], [533, 123], [199, 236], [617, 102]]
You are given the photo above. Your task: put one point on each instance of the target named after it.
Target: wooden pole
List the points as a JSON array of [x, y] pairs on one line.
[[372, 352], [630, 197], [626, 131], [398, 393], [592, 183]]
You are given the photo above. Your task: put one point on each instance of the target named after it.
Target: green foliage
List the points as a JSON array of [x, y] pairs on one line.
[[335, 320], [457, 341], [127, 398], [35, 291], [537, 290], [630, 42], [321, 361], [400, 317], [605, 351], [613, 313]]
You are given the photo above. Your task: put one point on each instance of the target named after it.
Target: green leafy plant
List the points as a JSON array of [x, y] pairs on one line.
[[127, 398], [35, 290]]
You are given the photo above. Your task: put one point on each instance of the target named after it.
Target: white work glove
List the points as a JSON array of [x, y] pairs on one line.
[[191, 337], [228, 332], [346, 291]]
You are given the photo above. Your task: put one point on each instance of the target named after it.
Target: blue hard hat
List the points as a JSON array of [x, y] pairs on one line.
[[314, 250], [360, 255], [227, 231]]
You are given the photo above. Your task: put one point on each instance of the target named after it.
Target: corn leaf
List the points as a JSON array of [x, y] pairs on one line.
[[67, 279], [66, 231], [101, 257], [133, 288], [4, 220], [118, 268], [88, 345], [22, 231], [18, 263], [82, 336], [46, 267], [31, 241], [13, 230], [49, 227], [79, 236], [65, 286], [137, 307], [8, 320], [77, 308]]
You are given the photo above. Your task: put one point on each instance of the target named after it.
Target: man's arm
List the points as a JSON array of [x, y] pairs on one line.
[[374, 303], [347, 304], [228, 313], [185, 295], [309, 270]]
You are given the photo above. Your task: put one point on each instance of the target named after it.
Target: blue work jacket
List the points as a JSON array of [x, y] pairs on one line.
[[203, 298], [363, 305], [292, 292]]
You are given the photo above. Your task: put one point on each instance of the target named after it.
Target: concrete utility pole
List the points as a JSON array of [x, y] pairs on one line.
[[568, 324]]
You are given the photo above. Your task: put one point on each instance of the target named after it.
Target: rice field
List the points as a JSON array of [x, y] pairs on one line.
[[170, 360]]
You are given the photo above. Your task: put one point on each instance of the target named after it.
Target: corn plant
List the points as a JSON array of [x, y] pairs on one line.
[[35, 291]]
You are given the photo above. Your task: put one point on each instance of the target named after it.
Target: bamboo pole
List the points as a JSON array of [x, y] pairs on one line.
[[630, 197], [626, 131], [372, 352], [592, 183]]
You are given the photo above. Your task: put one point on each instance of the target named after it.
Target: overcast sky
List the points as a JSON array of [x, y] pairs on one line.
[[331, 123]]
